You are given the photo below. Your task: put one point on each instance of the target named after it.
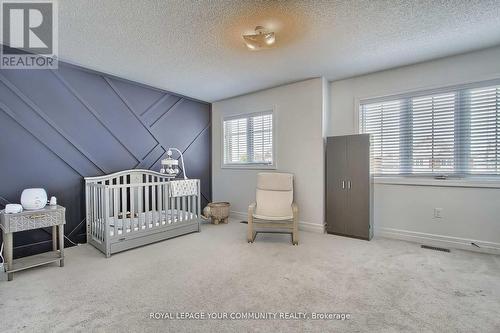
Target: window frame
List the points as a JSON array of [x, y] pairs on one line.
[[456, 88], [250, 165]]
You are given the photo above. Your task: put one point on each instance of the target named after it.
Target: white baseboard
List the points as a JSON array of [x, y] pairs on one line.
[[305, 226], [312, 227], [238, 215], [439, 240]]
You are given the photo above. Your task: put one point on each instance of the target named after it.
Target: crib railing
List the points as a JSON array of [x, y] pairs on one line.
[[96, 211], [116, 210]]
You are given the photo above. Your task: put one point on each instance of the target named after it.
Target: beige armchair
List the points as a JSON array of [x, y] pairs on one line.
[[274, 207]]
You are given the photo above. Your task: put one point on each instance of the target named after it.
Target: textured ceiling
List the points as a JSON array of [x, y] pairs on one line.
[[195, 48]]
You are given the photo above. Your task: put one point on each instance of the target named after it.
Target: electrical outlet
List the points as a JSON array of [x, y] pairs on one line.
[[438, 213]]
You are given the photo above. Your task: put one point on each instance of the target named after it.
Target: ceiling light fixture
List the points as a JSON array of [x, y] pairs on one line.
[[262, 39]]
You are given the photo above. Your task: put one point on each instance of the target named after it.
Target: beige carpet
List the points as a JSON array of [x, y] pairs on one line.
[[385, 286]]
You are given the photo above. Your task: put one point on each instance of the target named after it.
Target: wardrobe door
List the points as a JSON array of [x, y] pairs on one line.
[[336, 184], [358, 186]]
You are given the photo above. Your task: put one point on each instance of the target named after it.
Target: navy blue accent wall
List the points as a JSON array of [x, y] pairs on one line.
[[58, 126]]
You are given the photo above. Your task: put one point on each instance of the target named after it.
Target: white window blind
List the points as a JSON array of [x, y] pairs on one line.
[[248, 139], [382, 120], [484, 106], [432, 134], [452, 132]]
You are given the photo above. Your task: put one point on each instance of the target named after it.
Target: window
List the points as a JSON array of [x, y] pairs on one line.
[[248, 140], [451, 132]]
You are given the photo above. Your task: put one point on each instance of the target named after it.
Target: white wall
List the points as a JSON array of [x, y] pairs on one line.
[[299, 111], [406, 211]]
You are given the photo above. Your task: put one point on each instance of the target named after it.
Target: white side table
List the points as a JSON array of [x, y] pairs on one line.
[[50, 216]]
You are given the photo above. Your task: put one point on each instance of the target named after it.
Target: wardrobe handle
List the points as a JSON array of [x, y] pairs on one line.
[[343, 184], [349, 184]]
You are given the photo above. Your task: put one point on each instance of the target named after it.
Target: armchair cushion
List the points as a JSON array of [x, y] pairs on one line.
[[274, 196], [273, 204], [274, 181]]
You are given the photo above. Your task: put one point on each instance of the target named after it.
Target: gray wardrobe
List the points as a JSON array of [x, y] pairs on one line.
[[349, 191]]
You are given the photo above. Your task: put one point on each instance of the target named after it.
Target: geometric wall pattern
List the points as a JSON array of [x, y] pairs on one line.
[[58, 126]]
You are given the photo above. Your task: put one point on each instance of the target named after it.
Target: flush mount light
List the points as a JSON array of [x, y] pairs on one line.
[[262, 39]]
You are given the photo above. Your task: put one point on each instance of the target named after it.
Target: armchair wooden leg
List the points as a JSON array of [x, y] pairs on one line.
[[295, 232], [250, 231]]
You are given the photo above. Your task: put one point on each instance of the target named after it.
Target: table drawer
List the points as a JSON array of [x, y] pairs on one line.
[[32, 220]]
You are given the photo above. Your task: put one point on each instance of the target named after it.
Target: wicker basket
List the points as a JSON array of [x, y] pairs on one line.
[[218, 211]]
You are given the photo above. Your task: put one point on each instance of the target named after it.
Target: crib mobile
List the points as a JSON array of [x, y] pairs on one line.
[[170, 166]]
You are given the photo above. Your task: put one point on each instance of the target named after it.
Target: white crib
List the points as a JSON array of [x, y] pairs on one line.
[[132, 208]]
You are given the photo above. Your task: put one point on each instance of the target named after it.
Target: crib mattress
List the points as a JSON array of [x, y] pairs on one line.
[[147, 220]]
